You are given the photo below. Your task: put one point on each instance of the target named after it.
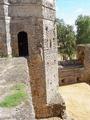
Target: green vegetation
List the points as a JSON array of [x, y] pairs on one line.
[[17, 95], [66, 39], [83, 29]]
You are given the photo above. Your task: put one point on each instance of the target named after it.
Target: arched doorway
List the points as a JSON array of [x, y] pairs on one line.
[[23, 44]]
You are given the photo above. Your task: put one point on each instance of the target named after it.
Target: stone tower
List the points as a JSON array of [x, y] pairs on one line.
[[32, 32]]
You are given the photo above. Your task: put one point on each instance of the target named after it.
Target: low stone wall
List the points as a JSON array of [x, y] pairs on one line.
[[77, 70], [70, 75], [14, 71]]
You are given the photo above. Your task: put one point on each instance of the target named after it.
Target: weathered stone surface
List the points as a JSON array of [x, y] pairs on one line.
[[36, 18], [12, 72], [86, 73], [81, 53], [70, 75]]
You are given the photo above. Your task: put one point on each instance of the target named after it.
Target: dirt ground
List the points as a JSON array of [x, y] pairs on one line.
[[77, 98]]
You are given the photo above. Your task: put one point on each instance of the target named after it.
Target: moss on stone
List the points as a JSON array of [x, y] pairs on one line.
[[17, 95]]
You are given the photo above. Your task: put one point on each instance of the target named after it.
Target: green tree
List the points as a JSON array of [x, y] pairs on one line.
[[83, 29], [66, 39]]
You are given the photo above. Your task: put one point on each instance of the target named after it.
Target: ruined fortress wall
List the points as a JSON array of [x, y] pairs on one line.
[[44, 68], [84, 57], [70, 75], [37, 19], [30, 26], [28, 19], [25, 16]]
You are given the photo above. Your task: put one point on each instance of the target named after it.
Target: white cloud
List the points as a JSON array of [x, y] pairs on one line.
[[79, 11], [71, 16], [82, 11]]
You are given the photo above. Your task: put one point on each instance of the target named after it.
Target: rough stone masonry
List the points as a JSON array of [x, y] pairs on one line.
[[27, 28]]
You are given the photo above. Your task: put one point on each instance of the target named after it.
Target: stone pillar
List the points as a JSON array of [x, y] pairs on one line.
[[83, 55], [50, 49], [3, 45], [87, 63], [7, 26], [43, 64]]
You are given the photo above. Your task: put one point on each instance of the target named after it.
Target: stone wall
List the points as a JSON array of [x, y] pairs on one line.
[[86, 74], [43, 66], [84, 58], [70, 75], [37, 19], [75, 74], [81, 54]]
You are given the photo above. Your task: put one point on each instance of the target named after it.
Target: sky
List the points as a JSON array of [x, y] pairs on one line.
[[70, 9]]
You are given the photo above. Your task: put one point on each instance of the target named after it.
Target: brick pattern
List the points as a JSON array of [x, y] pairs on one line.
[[70, 75]]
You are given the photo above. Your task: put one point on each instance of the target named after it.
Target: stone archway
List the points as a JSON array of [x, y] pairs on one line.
[[23, 44]]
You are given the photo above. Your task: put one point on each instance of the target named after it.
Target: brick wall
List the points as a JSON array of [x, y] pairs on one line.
[[75, 74], [70, 75]]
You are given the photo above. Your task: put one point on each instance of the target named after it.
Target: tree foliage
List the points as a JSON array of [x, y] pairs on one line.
[[83, 29], [66, 39]]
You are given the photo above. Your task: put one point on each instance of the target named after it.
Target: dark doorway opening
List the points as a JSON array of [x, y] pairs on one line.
[[23, 44]]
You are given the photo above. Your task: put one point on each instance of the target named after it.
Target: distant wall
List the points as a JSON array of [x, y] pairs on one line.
[[86, 73], [69, 74]]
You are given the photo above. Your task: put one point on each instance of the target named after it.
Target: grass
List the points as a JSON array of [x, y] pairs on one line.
[[17, 95]]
